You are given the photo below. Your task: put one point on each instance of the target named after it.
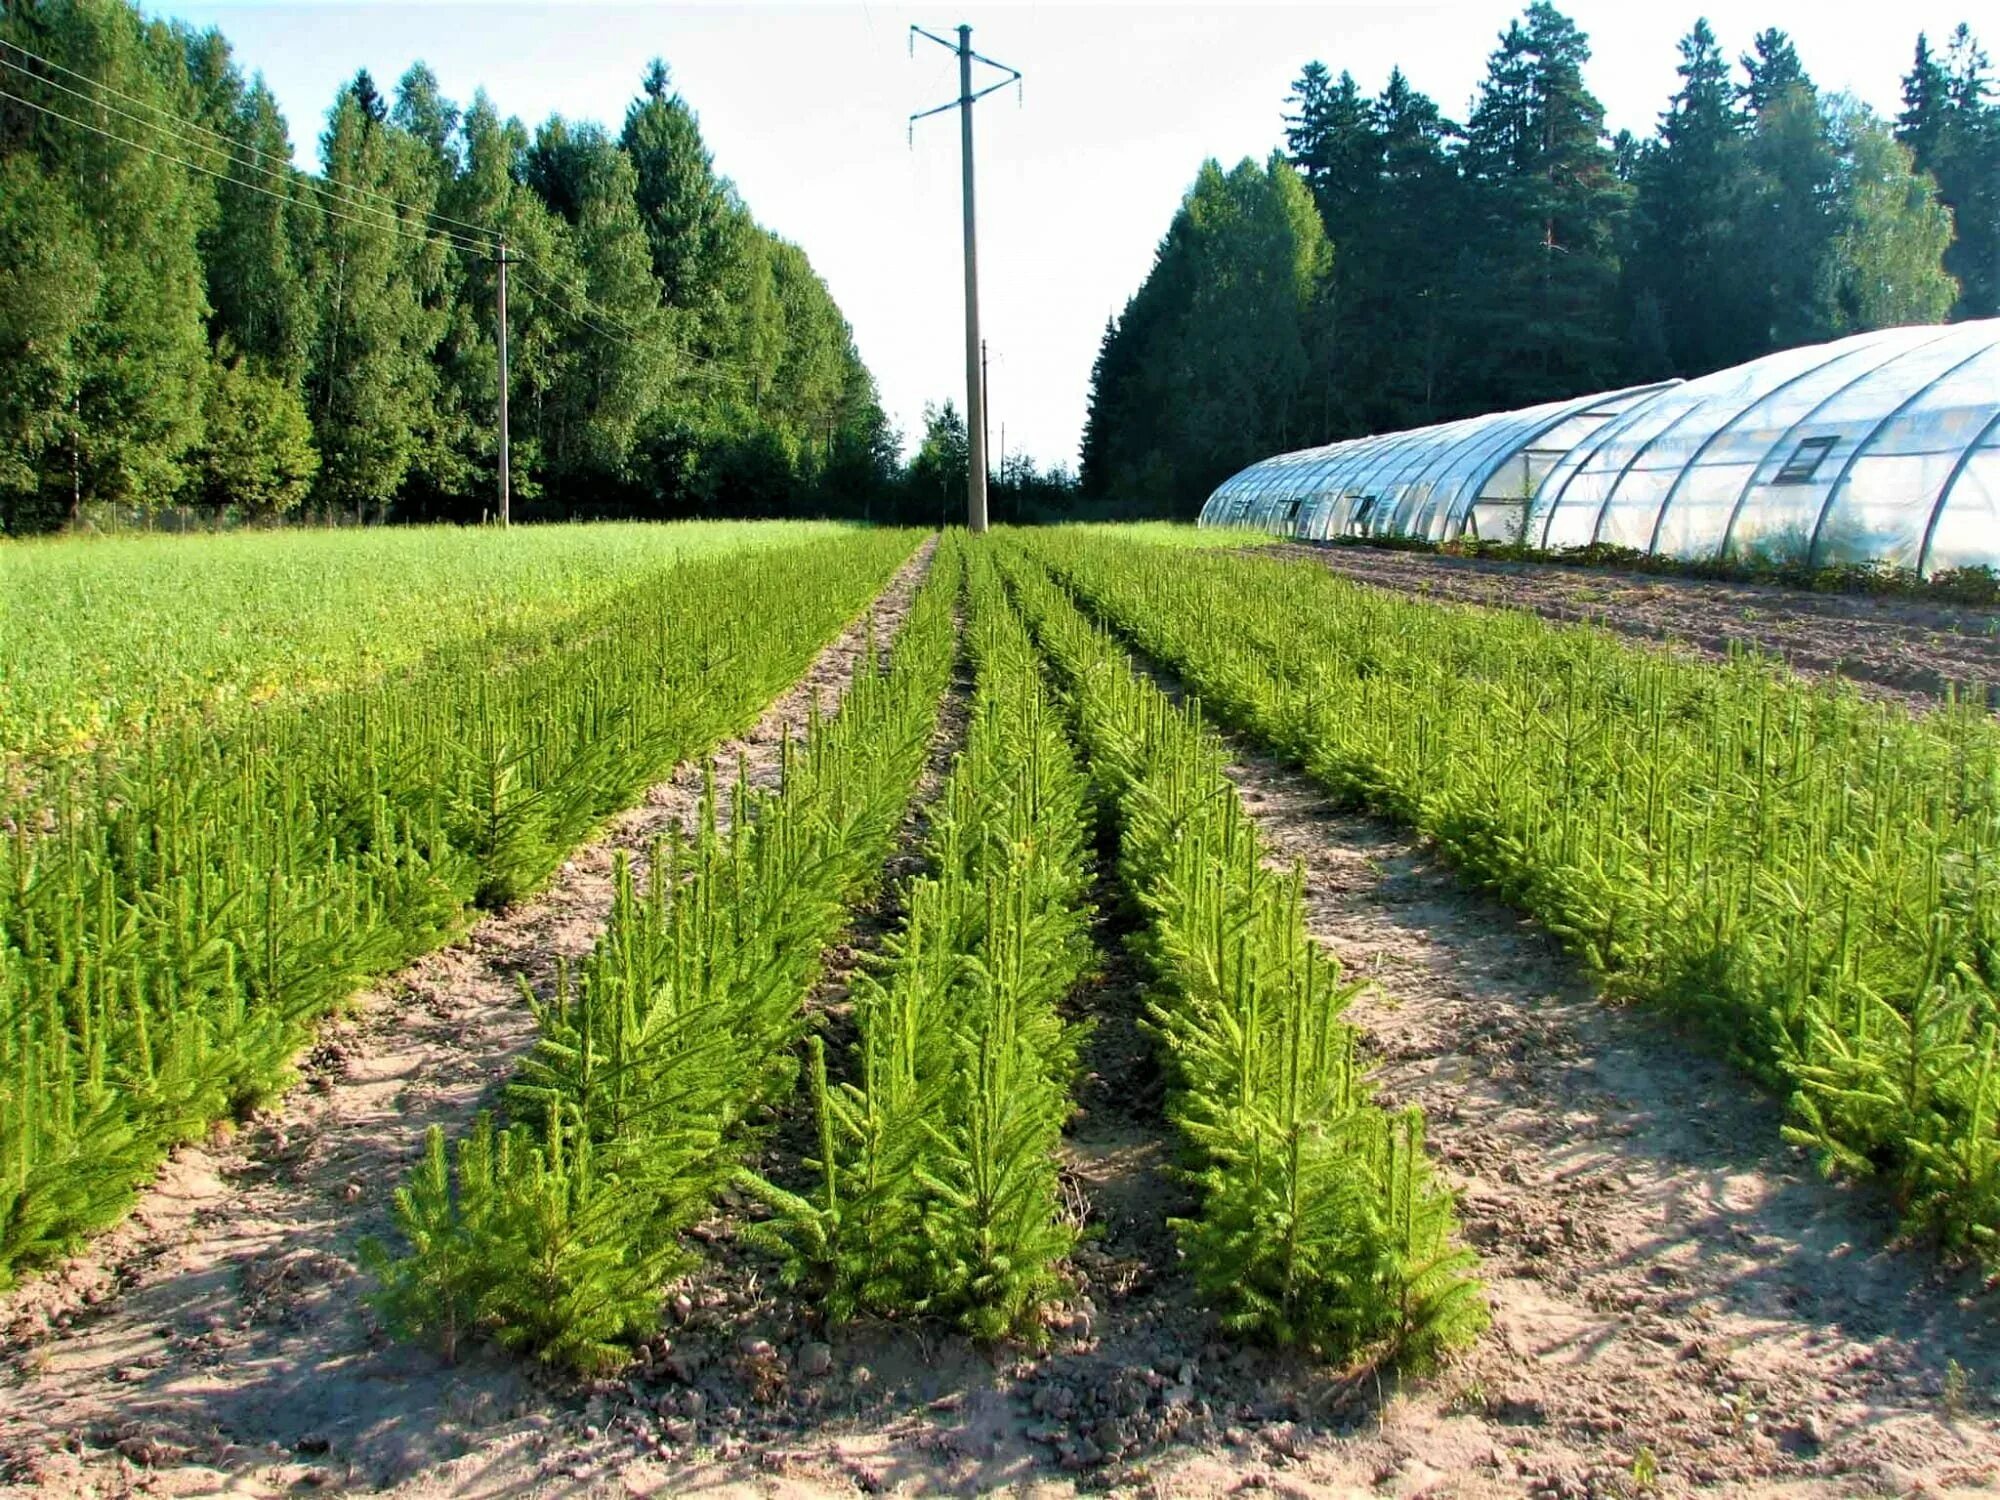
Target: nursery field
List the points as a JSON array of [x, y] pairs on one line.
[[1918, 650], [806, 1010], [102, 639]]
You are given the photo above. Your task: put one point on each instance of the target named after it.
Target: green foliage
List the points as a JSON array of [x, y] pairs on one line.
[[1322, 1223], [1951, 123], [522, 1240], [1526, 256], [939, 470], [257, 455], [48, 286], [667, 353], [937, 1163], [1203, 371], [1809, 875], [135, 358], [1886, 266], [173, 918], [655, 1070], [104, 640]]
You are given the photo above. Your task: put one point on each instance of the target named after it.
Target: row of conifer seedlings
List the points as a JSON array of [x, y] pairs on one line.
[[935, 1187], [175, 916], [932, 1187], [1811, 876], [662, 1061], [1321, 1223]]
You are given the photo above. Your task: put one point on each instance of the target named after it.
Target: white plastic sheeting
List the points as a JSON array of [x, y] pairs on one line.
[[1881, 447]]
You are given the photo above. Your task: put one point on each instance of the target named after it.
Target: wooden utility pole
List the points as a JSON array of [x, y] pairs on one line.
[[975, 349]]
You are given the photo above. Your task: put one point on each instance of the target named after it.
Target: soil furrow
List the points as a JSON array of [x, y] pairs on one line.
[[1675, 1292], [221, 1334], [1907, 649], [1673, 1289]]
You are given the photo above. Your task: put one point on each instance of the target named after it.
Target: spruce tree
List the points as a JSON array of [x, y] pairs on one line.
[[683, 204], [1545, 209], [1786, 226], [1689, 204]]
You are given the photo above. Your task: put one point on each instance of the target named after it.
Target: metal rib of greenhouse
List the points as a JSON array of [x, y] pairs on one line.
[[1791, 435], [1850, 451]]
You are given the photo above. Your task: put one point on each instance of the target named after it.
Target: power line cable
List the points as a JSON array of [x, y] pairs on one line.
[[557, 292], [291, 175], [371, 219], [389, 221], [550, 288], [284, 164]]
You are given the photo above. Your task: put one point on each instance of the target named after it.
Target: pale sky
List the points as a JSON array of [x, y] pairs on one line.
[[804, 106]]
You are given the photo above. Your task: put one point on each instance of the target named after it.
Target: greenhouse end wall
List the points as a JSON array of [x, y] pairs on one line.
[[1883, 447]]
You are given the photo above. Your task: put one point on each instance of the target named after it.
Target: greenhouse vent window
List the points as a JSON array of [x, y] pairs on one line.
[[1805, 460]]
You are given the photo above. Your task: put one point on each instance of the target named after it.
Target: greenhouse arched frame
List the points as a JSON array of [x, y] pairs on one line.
[[1880, 448]]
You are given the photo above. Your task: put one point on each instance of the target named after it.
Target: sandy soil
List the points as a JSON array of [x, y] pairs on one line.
[[1906, 648], [1665, 1274], [220, 1336], [1675, 1294]]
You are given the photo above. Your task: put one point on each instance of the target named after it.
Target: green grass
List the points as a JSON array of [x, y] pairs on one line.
[[1171, 534], [103, 639]]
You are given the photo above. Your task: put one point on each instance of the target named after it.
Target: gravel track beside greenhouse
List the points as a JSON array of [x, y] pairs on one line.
[[1904, 648], [220, 1336]]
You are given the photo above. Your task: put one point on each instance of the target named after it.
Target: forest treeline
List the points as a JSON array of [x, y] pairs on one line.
[[1391, 267], [188, 321]]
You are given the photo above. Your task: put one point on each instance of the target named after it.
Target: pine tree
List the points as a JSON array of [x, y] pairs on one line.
[[1544, 212], [1689, 206]]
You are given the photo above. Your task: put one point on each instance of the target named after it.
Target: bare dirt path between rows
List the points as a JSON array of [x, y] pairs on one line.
[[1666, 1276], [219, 1339], [1904, 648], [1668, 1280], [1680, 1304]]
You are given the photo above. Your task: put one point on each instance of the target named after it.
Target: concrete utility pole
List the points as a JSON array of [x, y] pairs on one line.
[[975, 375], [500, 326]]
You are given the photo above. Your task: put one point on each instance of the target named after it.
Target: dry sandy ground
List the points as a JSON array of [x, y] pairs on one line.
[[1680, 1304], [220, 1336], [1905, 648], [1664, 1273], [1678, 1300]]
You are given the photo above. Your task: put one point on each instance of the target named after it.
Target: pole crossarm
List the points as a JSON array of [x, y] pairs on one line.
[[1013, 74]]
